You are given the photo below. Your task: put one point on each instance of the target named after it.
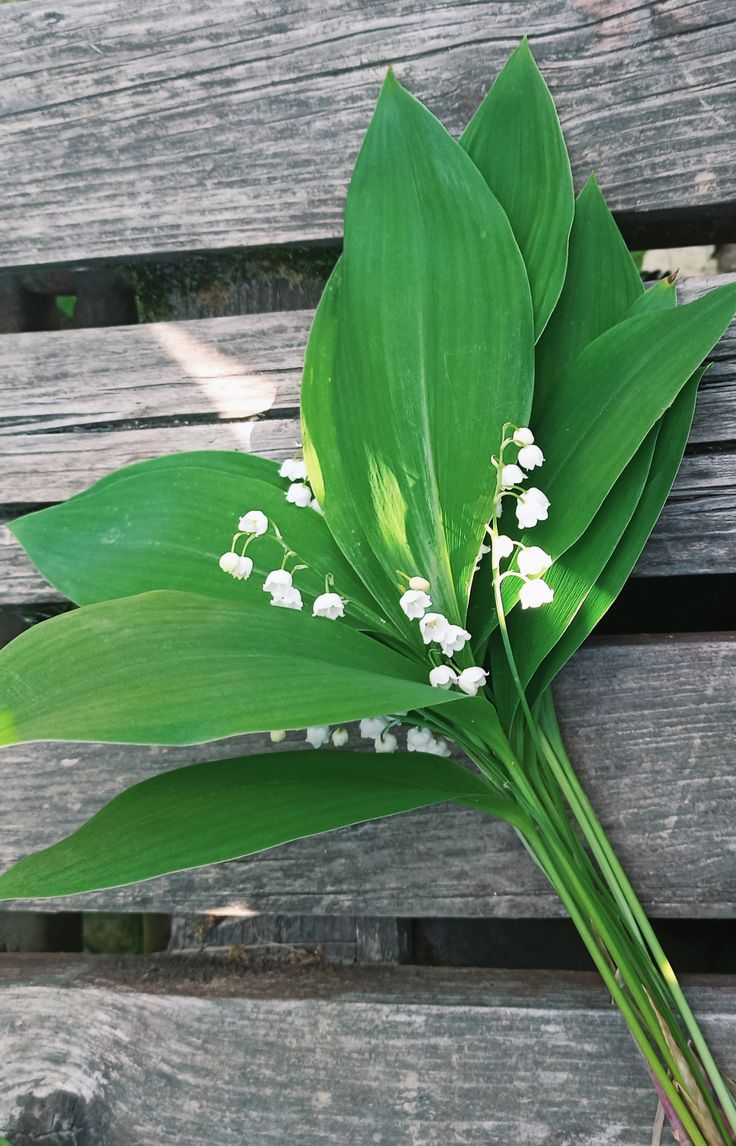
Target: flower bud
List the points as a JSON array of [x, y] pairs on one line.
[[277, 581], [471, 679], [523, 436], [299, 494], [318, 735], [340, 737], [414, 603], [442, 677], [295, 469], [535, 593], [229, 563], [512, 475], [386, 742], [420, 584], [533, 561], [530, 457], [330, 605], [278, 735], [253, 522]]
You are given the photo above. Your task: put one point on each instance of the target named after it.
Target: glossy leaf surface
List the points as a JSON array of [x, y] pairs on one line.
[[175, 668], [418, 358], [207, 813], [516, 142]]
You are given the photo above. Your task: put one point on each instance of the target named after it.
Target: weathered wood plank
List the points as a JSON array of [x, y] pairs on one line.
[[152, 129], [403, 1056], [651, 724], [76, 404]]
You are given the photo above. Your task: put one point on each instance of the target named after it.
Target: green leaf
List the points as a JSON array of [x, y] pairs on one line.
[[175, 668], [417, 360], [163, 525], [661, 296], [516, 142], [617, 388], [668, 452], [535, 632], [208, 813], [601, 285]]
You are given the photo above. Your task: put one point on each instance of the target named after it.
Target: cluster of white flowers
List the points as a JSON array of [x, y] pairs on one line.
[[531, 507], [299, 493], [279, 582], [436, 629]]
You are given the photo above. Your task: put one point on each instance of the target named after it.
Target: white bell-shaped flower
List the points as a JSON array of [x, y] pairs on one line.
[[531, 508], [530, 457], [318, 735], [243, 569], [330, 605], [502, 547], [289, 599], [340, 737], [254, 521], [229, 563], [277, 735], [533, 561], [421, 584], [415, 602], [523, 436], [277, 581], [433, 627], [386, 742], [373, 726], [442, 677], [299, 494], [295, 469], [417, 739], [471, 679], [454, 640], [512, 475], [535, 593], [437, 747]]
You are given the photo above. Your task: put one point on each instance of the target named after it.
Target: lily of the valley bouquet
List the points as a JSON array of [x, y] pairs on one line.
[[493, 412]]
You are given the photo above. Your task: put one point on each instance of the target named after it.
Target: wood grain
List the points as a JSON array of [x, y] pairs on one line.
[[77, 404], [650, 723], [400, 1056], [159, 128]]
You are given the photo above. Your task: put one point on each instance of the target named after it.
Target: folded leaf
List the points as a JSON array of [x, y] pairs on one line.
[[535, 632], [601, 285], [671, 441], [417, 360], [516, 142], [207, 813], [175, 668], [163, 524], [617, 388]]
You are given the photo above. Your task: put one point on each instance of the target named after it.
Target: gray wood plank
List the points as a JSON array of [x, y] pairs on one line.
[[650, 723], [428, 1057], [76, 404], [136, 129]]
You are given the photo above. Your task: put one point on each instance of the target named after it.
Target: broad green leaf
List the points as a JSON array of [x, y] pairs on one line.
[[176, 668], [516, 142], [617, 388], [207, 813], [534, 632], [601, 285], [417, 360], [668, 452], [164, 526]]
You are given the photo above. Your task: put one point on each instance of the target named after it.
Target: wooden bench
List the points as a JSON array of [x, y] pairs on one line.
[[140, 148]]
